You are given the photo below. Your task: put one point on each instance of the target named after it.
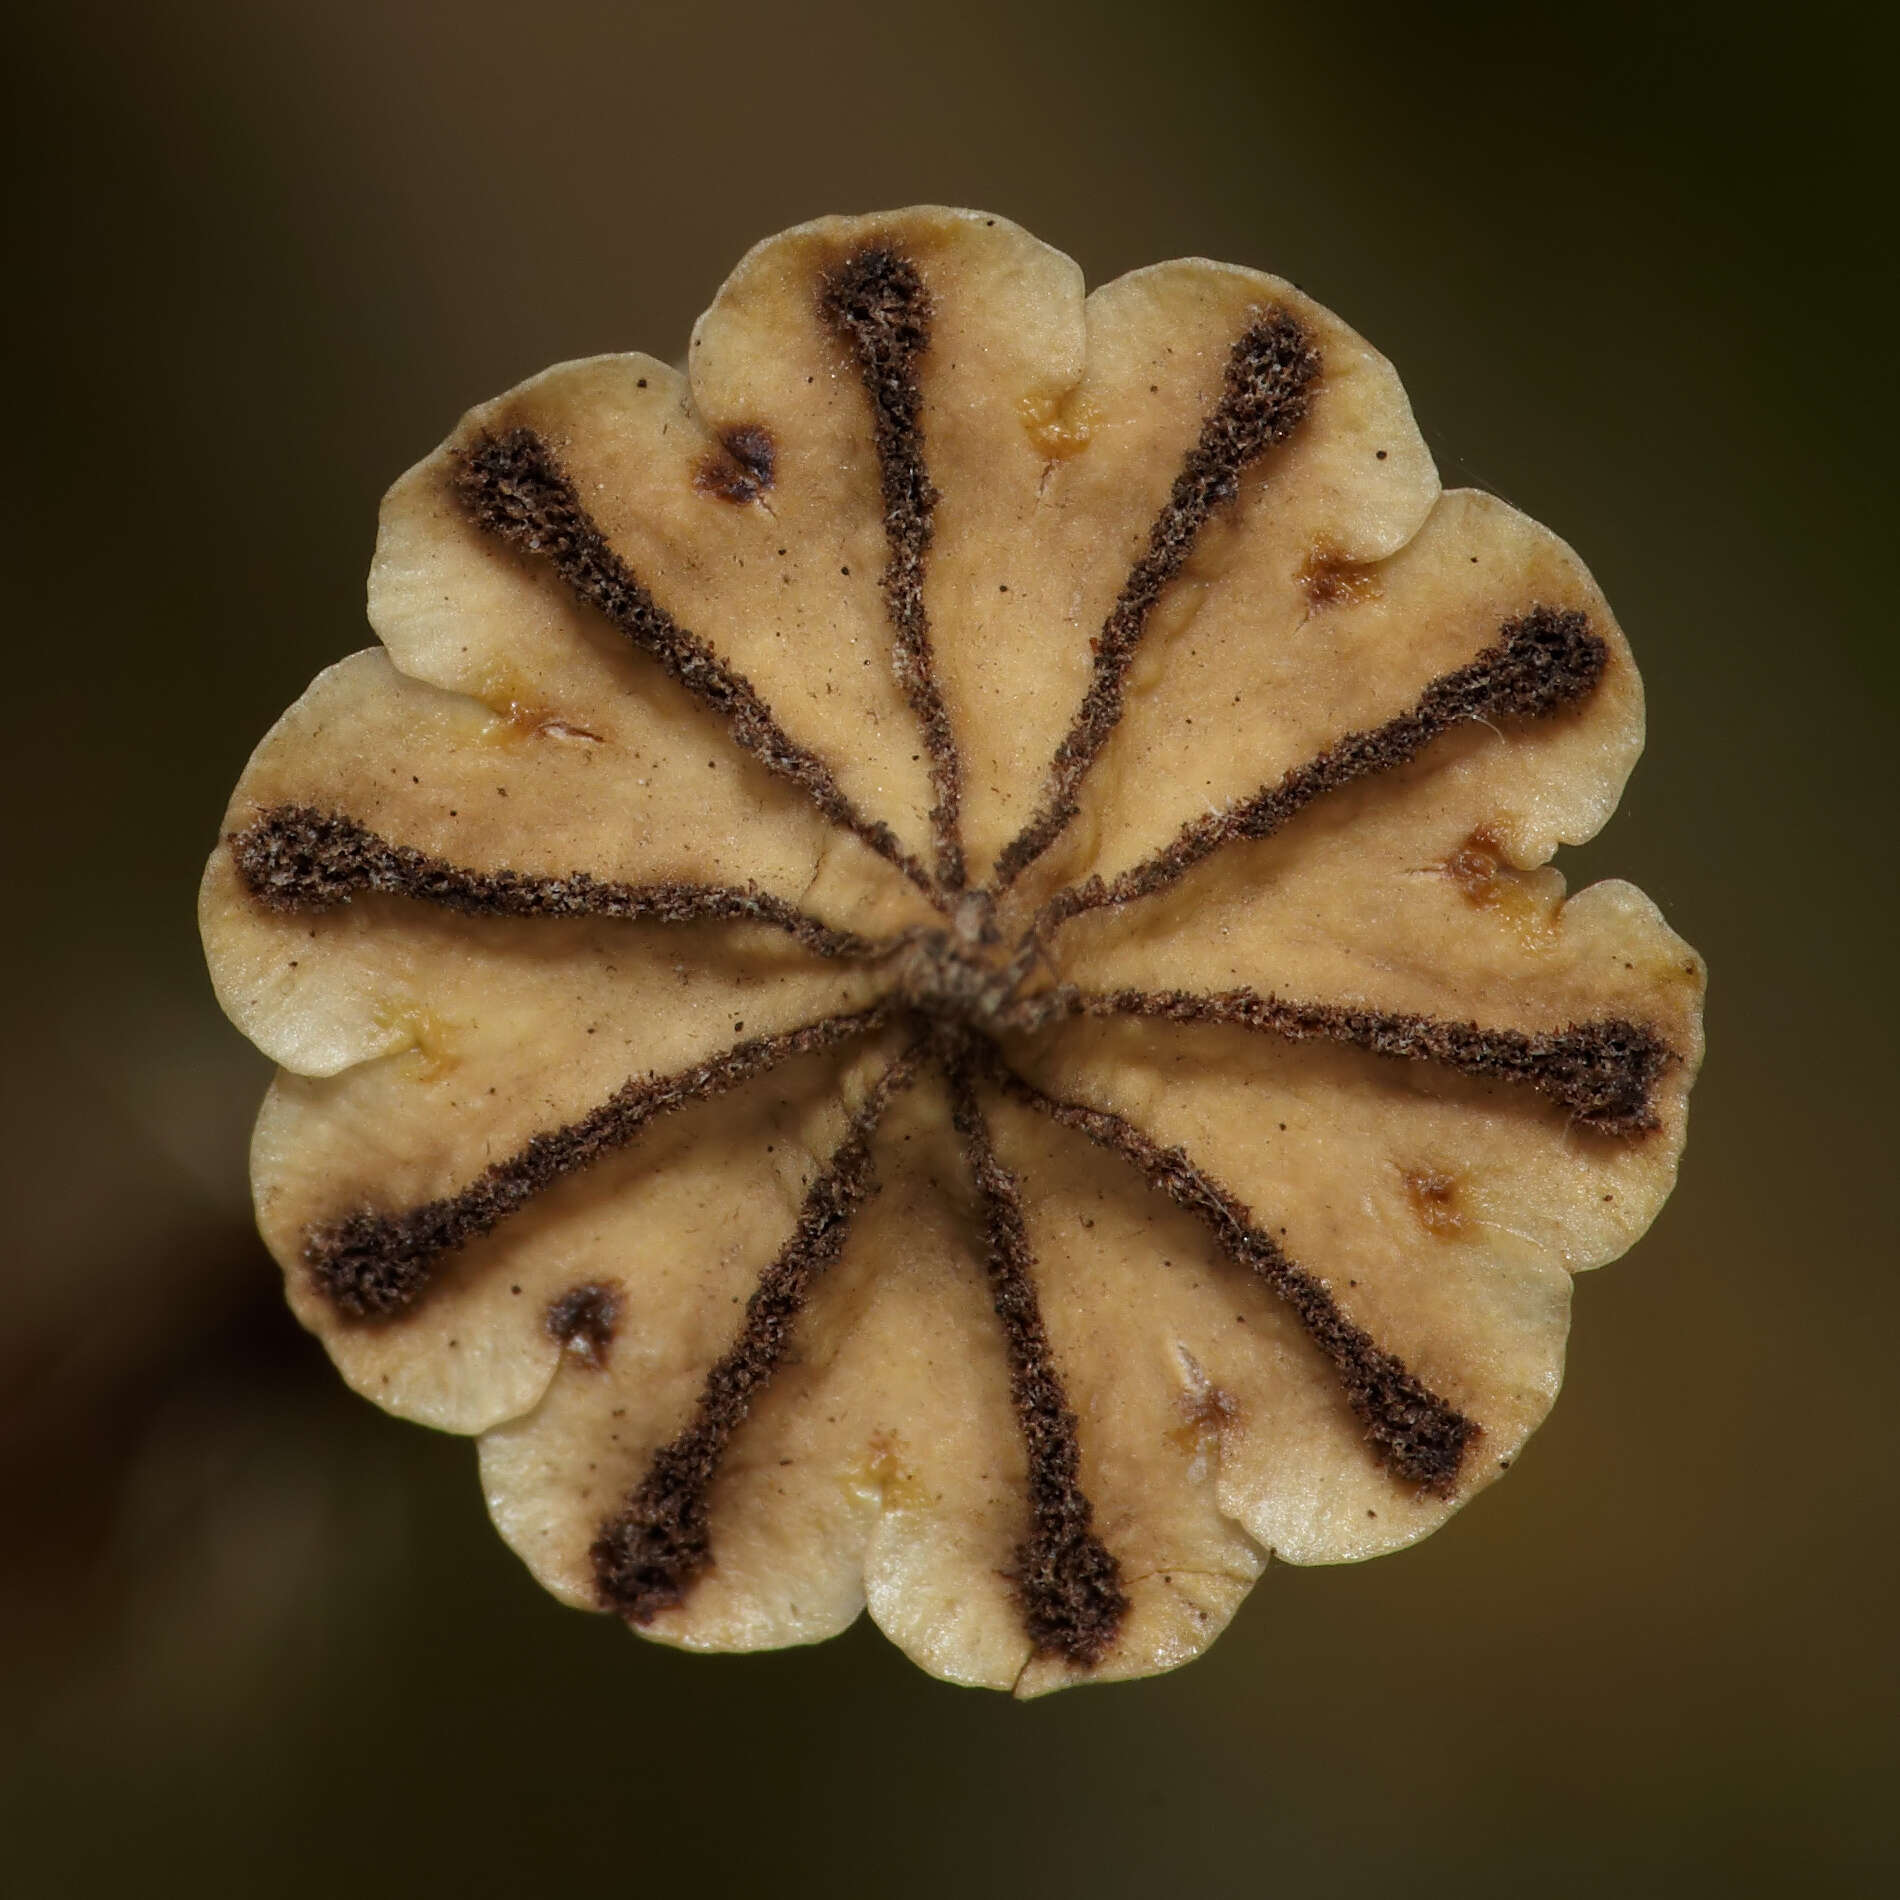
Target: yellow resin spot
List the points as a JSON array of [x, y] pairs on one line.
[[885, 1477], [1060, 426], [422, 1036], [518, 717]]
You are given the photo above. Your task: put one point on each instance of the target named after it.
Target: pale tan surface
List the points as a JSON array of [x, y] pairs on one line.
[[644, 800], [1231, 707], [1159, 341], [1211, 1433], [884, 1461], [553, 1476], [454, 610]]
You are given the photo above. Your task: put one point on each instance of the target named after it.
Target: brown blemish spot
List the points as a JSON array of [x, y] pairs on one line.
[[741, 469], [1059, 426], [1329, 580], [1435, 1201], [1481, 869], [1207, 1413], [1474, 866], [584, 1320]]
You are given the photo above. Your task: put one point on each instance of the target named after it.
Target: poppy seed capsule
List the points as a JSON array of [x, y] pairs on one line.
[[923, 974]]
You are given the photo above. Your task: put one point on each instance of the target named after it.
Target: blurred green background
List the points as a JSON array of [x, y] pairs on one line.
[[1635, 265]]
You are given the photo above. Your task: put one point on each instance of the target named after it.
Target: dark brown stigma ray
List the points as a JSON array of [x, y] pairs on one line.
[[514, 487], [1266, 395], [296, 860], [376, 1266], [649, 1552], [876, 302], [1543, 661], [1603, 1072], [1418, 1436], [1068, 1582]]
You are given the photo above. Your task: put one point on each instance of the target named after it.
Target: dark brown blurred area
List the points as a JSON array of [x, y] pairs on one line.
[[1635, 265]]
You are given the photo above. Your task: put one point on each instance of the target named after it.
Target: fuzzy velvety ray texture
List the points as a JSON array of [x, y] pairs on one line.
[[922, 973]]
